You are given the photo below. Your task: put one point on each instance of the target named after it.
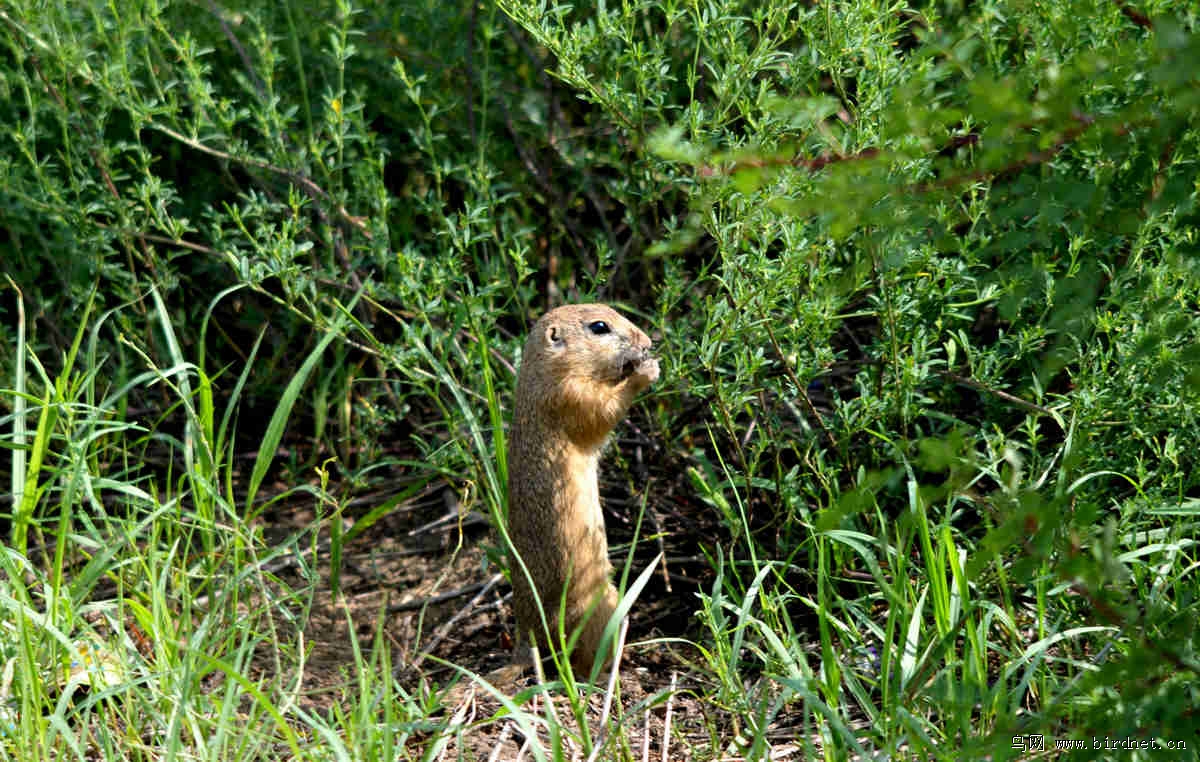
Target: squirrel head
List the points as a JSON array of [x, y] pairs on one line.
[[582, 365]]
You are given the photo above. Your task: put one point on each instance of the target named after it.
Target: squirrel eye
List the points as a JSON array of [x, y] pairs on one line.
[[599, 327]]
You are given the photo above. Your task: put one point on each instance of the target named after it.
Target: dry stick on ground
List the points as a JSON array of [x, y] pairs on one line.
[[646, 733], [602, 736], [440, 634], [463, 716], [417, 603], [469, 519], [279, 563], [544, 693], [666, 742], [505, 732], [658, 537], [615, 670]]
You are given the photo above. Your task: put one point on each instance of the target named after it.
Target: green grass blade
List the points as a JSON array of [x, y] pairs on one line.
[[279, 418]]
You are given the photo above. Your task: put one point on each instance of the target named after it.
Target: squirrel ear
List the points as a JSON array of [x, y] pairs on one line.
[[553, 337]]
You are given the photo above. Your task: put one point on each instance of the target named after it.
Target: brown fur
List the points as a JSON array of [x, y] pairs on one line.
[[573, 388]]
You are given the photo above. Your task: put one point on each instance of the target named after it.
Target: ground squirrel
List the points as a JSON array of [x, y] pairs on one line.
[[581, 368]]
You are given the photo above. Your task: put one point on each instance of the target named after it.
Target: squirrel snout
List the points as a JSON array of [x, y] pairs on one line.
[[637, 360]]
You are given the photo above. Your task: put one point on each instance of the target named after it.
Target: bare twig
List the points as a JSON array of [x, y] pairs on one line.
[[469, 65], [259, 85], [763, 162], [666, 742], [198, 247], [1134, 15], [470, 518], [646, 733], [791, 374], [981, 387], [305, 184], [417, 603], [463, 716], [440, 634], [1083, 123], [611, 690], [662, 547], [505, 732], [1160, 175]]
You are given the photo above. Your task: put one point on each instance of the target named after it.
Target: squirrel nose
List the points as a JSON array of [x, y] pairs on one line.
[[634, 357]]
